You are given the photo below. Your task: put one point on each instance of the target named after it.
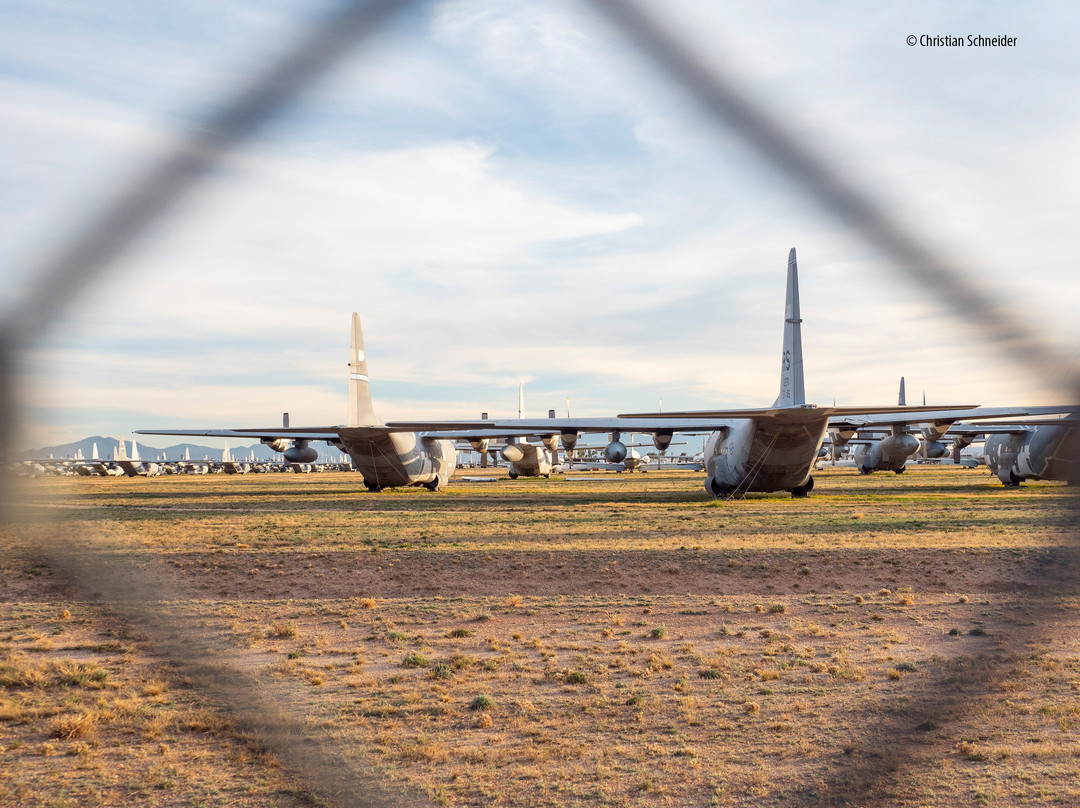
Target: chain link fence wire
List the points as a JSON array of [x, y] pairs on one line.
[[267, 711]]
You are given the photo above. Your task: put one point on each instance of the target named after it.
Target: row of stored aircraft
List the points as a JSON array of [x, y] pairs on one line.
[[121, 464], [765, 449]]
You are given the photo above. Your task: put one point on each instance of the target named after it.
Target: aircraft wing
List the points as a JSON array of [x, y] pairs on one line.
[[443, 429], [294, 433], [693, 421], [523, 427], [939, 415], [1014, 426]]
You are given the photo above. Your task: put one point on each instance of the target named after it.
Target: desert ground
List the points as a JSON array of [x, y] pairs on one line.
[[603, 639]]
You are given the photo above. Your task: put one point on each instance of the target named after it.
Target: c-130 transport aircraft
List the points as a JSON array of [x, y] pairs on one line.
[[774, 448], [765, 449]]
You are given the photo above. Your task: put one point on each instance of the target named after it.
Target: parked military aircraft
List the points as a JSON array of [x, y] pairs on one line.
[[762, 449], [387, 455], [1027, 450], [767, 449], [888, 448]]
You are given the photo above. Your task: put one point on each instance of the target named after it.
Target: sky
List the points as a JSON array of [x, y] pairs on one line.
[[510, 192]]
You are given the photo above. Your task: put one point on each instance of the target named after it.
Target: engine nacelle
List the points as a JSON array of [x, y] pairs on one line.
[[512, 453], [899, 446], [480, 444], [279, 445], [936, 449], [838, 437], [662, 440], [301, 453], [569, 440], [615, 452], [551, 442]]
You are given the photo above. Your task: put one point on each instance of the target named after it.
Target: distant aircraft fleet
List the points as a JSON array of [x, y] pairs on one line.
[[765, 449], [121, 465]]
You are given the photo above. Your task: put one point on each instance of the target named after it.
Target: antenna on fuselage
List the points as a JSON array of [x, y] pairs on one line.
[[792, 389]]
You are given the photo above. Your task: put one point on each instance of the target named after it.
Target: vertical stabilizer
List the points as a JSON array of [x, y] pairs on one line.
[[94, 453], [902, 400], [361, 413], [135, 451], [792, 391], [226, 455]]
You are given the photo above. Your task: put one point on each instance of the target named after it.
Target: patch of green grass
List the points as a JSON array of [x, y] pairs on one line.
[[482, 702], [414, 659]]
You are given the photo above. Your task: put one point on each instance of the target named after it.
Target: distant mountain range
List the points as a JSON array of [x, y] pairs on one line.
[[106, 448]]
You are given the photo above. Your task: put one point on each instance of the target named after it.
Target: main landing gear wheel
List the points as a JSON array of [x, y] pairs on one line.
[[432, 486], [803, 490], [512, 476], [374, 488], [900, 470]]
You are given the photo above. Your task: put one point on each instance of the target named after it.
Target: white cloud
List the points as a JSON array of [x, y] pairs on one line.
[[513, 192]]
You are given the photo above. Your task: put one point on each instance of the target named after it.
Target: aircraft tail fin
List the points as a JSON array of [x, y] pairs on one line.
[[902, 400], [361, 411], [792, 389]]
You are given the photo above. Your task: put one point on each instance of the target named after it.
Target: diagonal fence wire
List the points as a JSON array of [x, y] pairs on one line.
[[136, 595], [729, 107], [871, 781], [133, 594]]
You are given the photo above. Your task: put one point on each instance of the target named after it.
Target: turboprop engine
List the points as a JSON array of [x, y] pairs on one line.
[[888, 454], [301, 453], [662, 440], [935, 449], [902, 445], [615, 452], [569, 440], [839, 437], [512, 453]]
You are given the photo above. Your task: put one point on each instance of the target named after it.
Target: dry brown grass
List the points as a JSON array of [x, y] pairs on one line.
[[787, 670]]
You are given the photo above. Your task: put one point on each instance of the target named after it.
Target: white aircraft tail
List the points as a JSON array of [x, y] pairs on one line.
[[361, 412], [792, 389], [135, 452]]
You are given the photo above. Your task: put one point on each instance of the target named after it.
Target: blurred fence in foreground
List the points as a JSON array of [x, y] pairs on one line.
[[141, 596]]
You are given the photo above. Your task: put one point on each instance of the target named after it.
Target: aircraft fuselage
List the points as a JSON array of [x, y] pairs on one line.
[[392, 459], [762, 455], [1043, 453], [891, 453], [527, 459]]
